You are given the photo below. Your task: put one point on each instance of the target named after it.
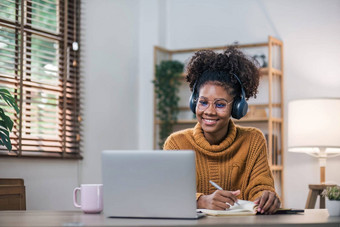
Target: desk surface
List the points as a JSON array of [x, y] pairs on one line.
[[77, 218]]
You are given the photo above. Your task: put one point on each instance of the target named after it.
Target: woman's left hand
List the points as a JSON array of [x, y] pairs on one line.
[[268, 203]]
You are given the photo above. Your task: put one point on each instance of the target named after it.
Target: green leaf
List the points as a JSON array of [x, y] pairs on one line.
[[7, 97], [8, 123], [3, 124], [166, 88], [4, 135], [4, 91], [4, 131]]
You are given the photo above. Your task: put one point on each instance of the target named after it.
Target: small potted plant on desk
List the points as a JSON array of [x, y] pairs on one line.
[[333, 200]]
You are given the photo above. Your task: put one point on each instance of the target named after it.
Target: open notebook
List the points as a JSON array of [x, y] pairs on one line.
[[244, 208]]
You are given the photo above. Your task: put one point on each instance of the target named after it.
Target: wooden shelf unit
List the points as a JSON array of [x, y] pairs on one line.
[[272, 124]]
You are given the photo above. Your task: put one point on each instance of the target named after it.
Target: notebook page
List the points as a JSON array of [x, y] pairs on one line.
[[244, 208]]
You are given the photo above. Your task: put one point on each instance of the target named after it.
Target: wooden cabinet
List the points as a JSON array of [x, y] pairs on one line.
[[12, 194], [265, 112]]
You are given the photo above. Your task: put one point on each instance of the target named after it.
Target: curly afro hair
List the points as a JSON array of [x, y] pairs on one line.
[[231, 61]]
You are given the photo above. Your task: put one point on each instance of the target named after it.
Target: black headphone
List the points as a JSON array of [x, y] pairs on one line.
[[240, 105]]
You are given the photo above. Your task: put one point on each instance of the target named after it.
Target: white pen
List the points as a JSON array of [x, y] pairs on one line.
[[218, 187]]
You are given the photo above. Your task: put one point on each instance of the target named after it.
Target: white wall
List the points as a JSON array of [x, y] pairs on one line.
[[110, 69], [49, 183], [117, 48], [151, 27]]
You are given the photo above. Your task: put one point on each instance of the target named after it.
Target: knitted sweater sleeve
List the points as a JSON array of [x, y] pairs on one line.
[[260, 178], [170, 144]]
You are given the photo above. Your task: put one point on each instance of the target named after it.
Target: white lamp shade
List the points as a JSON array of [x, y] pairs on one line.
[[314, 124]]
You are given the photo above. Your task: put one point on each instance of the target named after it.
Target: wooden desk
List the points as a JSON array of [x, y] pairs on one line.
[[315, 190], [77, 218]]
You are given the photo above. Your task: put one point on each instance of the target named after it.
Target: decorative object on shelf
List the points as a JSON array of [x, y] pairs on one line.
[[333, 200], [255, 112], [6, 123], [167, 82], [314, 128], [261, 60]]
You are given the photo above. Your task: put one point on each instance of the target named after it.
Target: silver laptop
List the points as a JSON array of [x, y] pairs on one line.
[[149, 184]]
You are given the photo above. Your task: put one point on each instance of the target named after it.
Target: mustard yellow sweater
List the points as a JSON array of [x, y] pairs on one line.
[[238, 162]]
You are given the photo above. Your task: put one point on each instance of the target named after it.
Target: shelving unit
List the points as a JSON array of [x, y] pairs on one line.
[[266, 112]]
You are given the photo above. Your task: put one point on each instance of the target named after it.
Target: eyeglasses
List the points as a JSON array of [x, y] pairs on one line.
[[220, 105]]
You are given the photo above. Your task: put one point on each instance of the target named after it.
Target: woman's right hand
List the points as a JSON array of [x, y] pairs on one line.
[[219, 200]]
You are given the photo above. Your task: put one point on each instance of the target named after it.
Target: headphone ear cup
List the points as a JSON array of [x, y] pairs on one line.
[[240, 108], [192, 102]]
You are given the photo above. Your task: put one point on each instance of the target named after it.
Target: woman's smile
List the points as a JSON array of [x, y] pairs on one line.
[[214, 122], [209, 122]]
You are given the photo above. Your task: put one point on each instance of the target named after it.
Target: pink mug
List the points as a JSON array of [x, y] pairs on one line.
[[91, 198]]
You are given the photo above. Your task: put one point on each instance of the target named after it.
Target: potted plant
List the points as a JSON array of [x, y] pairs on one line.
[[333, 200], [167, 83], [6, 123]]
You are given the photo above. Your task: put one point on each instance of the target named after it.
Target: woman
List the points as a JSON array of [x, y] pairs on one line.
[[234, 157]]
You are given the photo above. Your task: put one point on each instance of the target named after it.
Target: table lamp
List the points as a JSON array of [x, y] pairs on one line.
[[314, 128]]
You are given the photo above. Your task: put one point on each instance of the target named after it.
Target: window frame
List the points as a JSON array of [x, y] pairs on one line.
[[68, 89]]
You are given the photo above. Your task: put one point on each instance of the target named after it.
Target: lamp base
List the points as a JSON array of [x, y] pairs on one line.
[[322, 164], [322, 174]]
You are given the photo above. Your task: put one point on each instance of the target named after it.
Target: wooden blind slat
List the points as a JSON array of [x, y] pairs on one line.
[[46, 5], [36, 68], [51, 2], [43, 17]]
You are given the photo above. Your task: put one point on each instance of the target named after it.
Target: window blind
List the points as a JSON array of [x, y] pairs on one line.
[[39, 65]]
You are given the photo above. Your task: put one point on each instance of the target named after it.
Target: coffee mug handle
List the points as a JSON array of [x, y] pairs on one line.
[[75, 197]]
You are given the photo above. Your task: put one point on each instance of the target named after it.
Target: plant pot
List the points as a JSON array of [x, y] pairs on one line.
[[333, 207]]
